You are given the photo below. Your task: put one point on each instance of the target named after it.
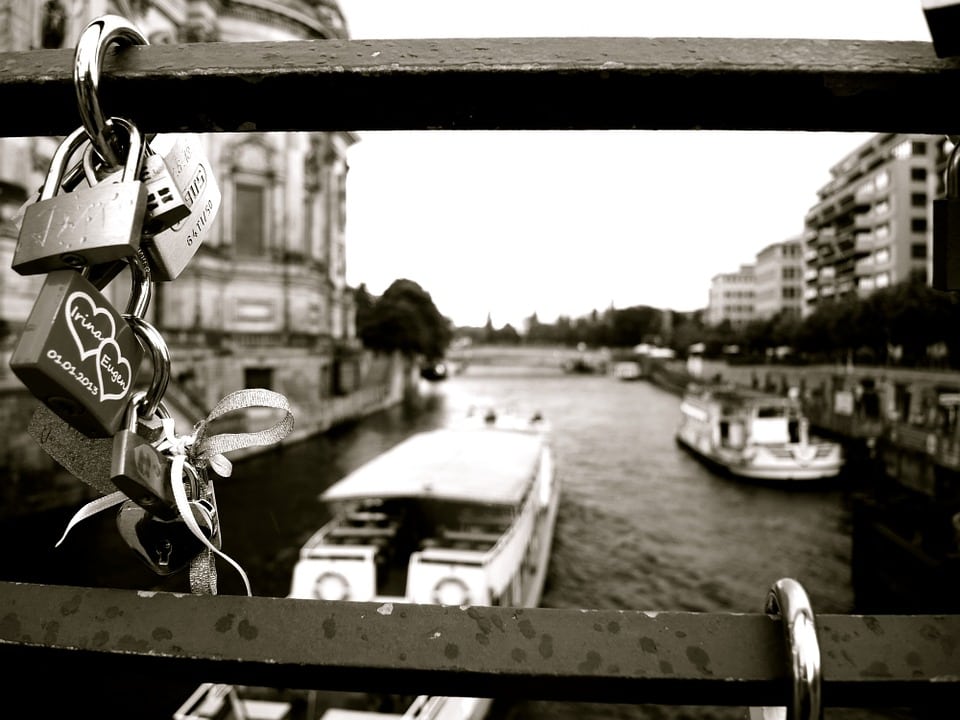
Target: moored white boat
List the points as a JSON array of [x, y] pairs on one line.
[[754, 435], [463, 515]]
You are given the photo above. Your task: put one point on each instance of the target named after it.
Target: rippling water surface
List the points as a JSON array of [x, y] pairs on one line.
[[642, 525]]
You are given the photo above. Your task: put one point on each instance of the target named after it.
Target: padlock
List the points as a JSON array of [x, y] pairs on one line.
[[167, 546], [78, 355], [170, 250], [137, 468], [87, 459], [89, 226], [165, 205], [946, 228], [140, 471], [71, 179]]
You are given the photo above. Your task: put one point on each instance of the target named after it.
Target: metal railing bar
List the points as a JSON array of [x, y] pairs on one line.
[[496, 84], [551, 654]]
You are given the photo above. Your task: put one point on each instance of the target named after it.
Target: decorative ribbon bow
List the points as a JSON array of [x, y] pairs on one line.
[[203, 451]]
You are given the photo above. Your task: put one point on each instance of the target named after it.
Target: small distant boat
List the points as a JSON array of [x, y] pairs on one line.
[[462, 515], [754, 435], [627, 369], [434, 370]]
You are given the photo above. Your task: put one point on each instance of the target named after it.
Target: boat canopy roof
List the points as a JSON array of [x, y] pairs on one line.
[[484, 466], [741, 396]]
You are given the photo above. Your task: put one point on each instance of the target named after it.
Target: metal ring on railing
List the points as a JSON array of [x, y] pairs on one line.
[[788, 600], [87, 61], [151, 338]]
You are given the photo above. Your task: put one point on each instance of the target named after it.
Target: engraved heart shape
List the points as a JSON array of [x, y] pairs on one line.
[[89, 324], [113, 371]]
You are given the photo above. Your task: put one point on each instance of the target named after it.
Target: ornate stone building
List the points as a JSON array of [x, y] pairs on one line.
[[264, 303]]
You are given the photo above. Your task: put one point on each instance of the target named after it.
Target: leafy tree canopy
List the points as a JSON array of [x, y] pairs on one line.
[[404, 318]]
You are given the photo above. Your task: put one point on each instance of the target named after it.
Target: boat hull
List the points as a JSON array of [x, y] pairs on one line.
[[738, 466], [755, 436]]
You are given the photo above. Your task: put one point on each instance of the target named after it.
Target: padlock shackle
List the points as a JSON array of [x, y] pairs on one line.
[[58, 164], [133, 153], [154, 343], [87, 63], [141, 285], [133, 410], [952, 172]]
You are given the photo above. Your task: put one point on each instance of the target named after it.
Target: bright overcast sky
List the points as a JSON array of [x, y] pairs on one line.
[[562, 223]]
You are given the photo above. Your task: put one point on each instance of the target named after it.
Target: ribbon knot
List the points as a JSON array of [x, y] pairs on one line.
[[201, 451], [187, 446]]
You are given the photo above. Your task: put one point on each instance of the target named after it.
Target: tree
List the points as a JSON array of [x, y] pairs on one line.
[[404, 318], [364, 302]]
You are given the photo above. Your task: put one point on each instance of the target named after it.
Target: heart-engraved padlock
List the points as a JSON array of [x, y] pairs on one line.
[[78, 355], [89, 226]]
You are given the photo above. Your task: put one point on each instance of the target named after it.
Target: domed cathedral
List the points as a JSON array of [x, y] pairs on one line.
[[264, 302]]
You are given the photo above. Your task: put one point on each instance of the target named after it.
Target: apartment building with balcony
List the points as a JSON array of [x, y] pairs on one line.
[[779, 280], [732, 297], [872, 226]]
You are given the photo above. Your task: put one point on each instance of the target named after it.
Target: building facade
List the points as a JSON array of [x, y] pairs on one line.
[[872, 226], [732, 297], [779, 280], [264, 302]]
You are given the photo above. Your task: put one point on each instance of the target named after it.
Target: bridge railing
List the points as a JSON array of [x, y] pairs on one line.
[[649, 655]]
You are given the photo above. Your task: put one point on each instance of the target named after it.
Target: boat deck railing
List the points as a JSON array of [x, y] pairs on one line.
[[643, 655]]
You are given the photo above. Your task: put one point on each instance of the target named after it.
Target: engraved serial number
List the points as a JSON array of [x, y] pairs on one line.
[[197, 230], [72, 370]]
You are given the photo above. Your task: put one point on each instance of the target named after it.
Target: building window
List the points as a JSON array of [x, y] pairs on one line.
[[882, 255], [882, 179], [258, 377], [918, 199], [250, 218], [53, 24], [918, 225], [918, 173], [883, 280], [918, 251], [919, 148]]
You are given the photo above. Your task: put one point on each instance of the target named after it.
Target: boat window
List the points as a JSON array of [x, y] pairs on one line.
[[771, 412]]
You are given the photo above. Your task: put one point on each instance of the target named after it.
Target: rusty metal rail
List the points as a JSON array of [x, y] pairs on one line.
[[584, 655], [543, 83]]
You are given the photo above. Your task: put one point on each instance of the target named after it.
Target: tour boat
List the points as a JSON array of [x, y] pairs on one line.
[[462, 515], [754, 435]]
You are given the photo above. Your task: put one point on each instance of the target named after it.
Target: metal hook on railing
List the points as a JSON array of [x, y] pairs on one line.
[[788, 600], [87, 61]]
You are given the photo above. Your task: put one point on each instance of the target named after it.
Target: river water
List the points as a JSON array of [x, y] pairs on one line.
[[642, 525]]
